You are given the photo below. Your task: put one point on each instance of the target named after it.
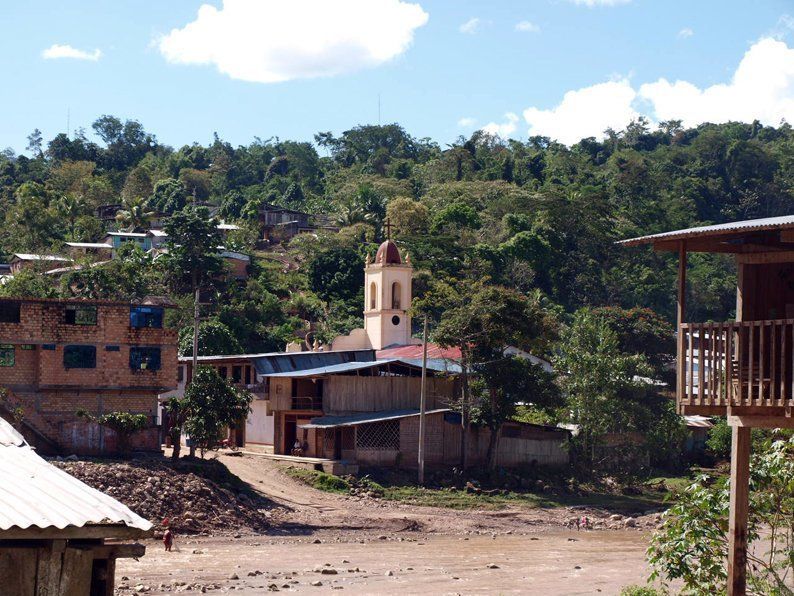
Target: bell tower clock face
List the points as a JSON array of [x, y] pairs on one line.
[[395, 320]]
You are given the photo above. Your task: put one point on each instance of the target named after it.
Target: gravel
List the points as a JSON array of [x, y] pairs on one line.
[[194, 498]]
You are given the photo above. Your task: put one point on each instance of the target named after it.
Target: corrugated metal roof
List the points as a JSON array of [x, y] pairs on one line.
[[415, 351], [365, 418], [34, 493], [299, 361], [750, 225], [330, 369], [334, 369]]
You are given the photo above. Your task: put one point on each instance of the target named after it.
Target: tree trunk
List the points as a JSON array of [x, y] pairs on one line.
[[196, 324], [496, 429], [493, 447], [464, 413], [176, 442]]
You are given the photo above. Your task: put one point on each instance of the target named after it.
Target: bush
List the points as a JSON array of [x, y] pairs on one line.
[[640, 591], [692, 544]]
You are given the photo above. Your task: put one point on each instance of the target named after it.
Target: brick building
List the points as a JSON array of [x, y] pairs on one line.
[[60, 356]]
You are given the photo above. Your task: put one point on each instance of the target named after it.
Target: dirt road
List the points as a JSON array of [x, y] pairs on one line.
[[372, 546], [560, 562], [325, 513]]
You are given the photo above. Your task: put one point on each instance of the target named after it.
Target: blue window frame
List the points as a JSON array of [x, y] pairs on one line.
[[144, 358], [146, 316], [7, 355], [79, 357]]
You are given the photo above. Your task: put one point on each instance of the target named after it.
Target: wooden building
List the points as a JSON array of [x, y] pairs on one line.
[[54, 530], [742, 369]]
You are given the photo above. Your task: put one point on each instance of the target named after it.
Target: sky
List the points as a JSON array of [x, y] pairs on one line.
[[566, 69]]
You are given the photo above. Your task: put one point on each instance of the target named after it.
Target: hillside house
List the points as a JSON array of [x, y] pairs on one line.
[[21, 261], [59, 356], [54, 529], [282, 224]]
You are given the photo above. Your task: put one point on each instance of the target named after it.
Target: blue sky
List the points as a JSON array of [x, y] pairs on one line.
[[441, 68]]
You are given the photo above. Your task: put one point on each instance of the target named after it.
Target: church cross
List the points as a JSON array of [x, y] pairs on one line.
[[388, 225]]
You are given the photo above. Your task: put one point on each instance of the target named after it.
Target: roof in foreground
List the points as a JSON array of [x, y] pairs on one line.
[[36, 494], [365, 418], [750, 225], [434, 351]]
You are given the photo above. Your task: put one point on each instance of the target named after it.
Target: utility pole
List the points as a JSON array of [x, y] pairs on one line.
[[422, 407]]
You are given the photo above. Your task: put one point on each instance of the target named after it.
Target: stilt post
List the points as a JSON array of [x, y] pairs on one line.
[[740, 504]]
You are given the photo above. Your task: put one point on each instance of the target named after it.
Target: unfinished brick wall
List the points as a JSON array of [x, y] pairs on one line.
[[40, 379]]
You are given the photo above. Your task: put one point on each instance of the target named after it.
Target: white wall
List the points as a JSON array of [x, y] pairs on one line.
[[259, 427]]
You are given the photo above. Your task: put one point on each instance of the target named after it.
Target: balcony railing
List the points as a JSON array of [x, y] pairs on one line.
[[307, 403], [745, 363]]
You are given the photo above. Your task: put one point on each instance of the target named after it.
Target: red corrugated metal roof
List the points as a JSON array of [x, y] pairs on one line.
[[411, 352]]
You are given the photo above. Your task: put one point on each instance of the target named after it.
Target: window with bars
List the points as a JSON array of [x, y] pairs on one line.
[[77, 314], [379, 436], [9, 311], [7, 355], [146, 316], [143, 358], [79, 357]]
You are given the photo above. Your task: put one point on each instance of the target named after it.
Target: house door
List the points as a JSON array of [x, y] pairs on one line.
[[338, 443], [290, 429]]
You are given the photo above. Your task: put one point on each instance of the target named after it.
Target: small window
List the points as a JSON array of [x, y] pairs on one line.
[[237, 374], [28, 347], [7, 355], [9, 311], [80, 315], [48, 347], [222, 372], [180, 374], [247, 375], [79, 357], [145, 358], [373, 296], [146, 316], [395, 320], [396, 292]]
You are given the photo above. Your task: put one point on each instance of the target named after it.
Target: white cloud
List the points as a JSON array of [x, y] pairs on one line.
[[467, 122], [268, 41], [586, 112], [686, 32], [505, 129], [56, 51], [470, 26], [594, 3], [762, 88], [527, 27]]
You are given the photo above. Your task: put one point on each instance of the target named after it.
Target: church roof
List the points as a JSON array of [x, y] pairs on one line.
[[388, 254]]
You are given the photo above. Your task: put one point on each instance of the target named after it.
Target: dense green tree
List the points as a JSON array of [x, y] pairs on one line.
[[214, 337]]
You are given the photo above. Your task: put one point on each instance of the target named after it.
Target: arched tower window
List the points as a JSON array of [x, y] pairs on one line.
[[373, 296], [396, 292]]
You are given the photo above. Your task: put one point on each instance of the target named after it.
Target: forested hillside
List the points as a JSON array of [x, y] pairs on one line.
[[534, 216]]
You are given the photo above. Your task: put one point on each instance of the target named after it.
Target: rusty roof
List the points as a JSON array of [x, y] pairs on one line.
[[36, 494], [749, 225]]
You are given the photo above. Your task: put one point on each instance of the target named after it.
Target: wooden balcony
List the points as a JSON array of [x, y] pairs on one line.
[[739, 368]]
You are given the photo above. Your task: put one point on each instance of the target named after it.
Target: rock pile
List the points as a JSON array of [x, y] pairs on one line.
[[194, 498]]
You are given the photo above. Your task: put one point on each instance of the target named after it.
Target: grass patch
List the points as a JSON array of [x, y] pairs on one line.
[[399, 486], [319, 480]]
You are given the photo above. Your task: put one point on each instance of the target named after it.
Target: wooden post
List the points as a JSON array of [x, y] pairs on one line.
[[680, 319], [422, 407], [737, 529]]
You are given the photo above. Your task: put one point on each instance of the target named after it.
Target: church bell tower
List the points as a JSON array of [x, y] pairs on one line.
[[387, 297]]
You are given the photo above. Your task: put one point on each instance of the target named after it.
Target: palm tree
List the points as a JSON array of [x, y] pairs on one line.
[[135, 214], [71, 208]]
